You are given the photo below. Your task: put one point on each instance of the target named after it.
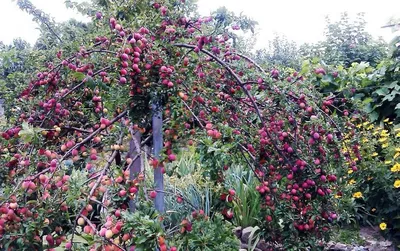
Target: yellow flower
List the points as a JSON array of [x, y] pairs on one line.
[[397, 129], [395, 168], [374, 154], [382, 226], [387, 162], [357, 195], [369, 178], [382, 139], [397, 184], [398, 135], [386, 120], [351, 182], [384, 133], [386, 144], [370, 127], [338, 196], [350, 171], [396, 155], [397, 149], [365, 140]]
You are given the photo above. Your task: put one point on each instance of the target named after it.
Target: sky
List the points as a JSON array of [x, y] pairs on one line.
[[299, 20]]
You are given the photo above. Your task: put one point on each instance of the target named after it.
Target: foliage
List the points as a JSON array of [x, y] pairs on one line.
[[349, 236], [346, 42], [280, 52], [378, 169], [209, 235], [147, 229], [246, 204]]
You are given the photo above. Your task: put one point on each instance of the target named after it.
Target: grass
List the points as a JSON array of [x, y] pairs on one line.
[[348, 236]]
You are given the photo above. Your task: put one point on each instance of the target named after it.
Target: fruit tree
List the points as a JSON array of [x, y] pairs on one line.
[[153, 73]]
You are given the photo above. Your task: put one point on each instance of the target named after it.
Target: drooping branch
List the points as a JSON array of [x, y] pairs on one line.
[[93, 134], [44, 18], [100, 177], [67, 154], [240, 83], [83, 82]]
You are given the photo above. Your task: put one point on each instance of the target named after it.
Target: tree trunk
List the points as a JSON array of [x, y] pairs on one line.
[[157, 125], [135, 168]]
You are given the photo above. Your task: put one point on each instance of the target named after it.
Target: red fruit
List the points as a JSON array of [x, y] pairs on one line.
[[68, 245], [232, 192], [93, 156], [122, 80], [268, 218], [172, 157], [153, 194], [123, 72], [154, 163], [126, 237], [179, 200], [122, 193], [124, 57], [229, 214], [75, 152], [133, 190], [99, 15], [119, 179], [49, 238]]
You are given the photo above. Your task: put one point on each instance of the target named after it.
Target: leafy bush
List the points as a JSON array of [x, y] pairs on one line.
[[208, 234], [375, 185]]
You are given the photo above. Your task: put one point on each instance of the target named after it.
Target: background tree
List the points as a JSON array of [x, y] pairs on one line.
[[346, 42], [280, 51]]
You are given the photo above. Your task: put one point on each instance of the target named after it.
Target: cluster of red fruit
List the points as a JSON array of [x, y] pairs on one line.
[[10, 133]]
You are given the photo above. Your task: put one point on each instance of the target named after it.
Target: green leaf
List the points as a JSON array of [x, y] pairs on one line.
[[382, 91], [389, 97], [367, 100], [368, 108], [79, 76], [27, 133], [394, 84], [305, 67], [374, 116], [361, 66]]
